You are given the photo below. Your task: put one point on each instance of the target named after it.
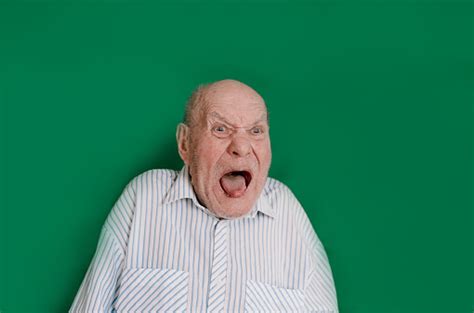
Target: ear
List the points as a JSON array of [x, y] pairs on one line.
[[182, 139]]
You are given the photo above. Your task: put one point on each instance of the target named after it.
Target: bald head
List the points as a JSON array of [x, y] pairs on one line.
[[227, 91]]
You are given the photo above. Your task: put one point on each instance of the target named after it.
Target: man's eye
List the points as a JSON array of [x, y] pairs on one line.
[[220, 129], [256, 131]]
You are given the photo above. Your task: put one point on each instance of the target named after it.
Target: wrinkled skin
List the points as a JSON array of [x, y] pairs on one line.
[[231, 133]]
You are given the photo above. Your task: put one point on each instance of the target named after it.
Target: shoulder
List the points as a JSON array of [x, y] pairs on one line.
[[287, 207], [280, 195], [152, 177]]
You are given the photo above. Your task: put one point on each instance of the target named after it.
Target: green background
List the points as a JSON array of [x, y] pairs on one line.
[[371, 122]]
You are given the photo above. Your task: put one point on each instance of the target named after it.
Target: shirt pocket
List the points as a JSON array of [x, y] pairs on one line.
[[152, 290], [262, 297]]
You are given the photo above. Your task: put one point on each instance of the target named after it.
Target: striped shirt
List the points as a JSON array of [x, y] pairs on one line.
[[160, 250]]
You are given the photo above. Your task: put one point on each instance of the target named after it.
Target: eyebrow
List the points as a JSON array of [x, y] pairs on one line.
[[223, 119]]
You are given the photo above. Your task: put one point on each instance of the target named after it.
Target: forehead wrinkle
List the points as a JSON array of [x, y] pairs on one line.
[[220, 117]]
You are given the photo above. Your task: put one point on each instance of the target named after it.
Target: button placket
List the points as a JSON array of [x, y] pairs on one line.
[[219, 268]]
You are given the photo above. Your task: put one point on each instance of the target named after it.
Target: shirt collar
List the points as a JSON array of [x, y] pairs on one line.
[[183, 189]]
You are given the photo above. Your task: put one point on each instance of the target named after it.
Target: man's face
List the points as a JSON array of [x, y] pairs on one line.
[[229, 150]]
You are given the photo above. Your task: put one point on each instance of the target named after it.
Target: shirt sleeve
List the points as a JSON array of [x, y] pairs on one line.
[[320, 291], [99, 287]]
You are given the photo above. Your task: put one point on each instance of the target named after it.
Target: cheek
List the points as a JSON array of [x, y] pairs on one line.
[[209, 152], [264, 152]]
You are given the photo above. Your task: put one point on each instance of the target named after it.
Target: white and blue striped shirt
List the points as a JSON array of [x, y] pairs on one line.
[[161, 251]]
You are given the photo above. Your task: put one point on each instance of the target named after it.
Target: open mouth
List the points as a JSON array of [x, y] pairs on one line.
[[235, 183]]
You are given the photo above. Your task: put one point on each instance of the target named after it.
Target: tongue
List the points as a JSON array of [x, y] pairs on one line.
[[233, 185]]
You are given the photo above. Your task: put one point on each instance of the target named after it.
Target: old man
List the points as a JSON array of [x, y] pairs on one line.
[[219, 235]]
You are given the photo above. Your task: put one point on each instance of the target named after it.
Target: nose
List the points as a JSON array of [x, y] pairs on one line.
[[239, 147]]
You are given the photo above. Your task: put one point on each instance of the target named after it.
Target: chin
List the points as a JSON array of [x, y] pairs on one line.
[[233, 207]]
